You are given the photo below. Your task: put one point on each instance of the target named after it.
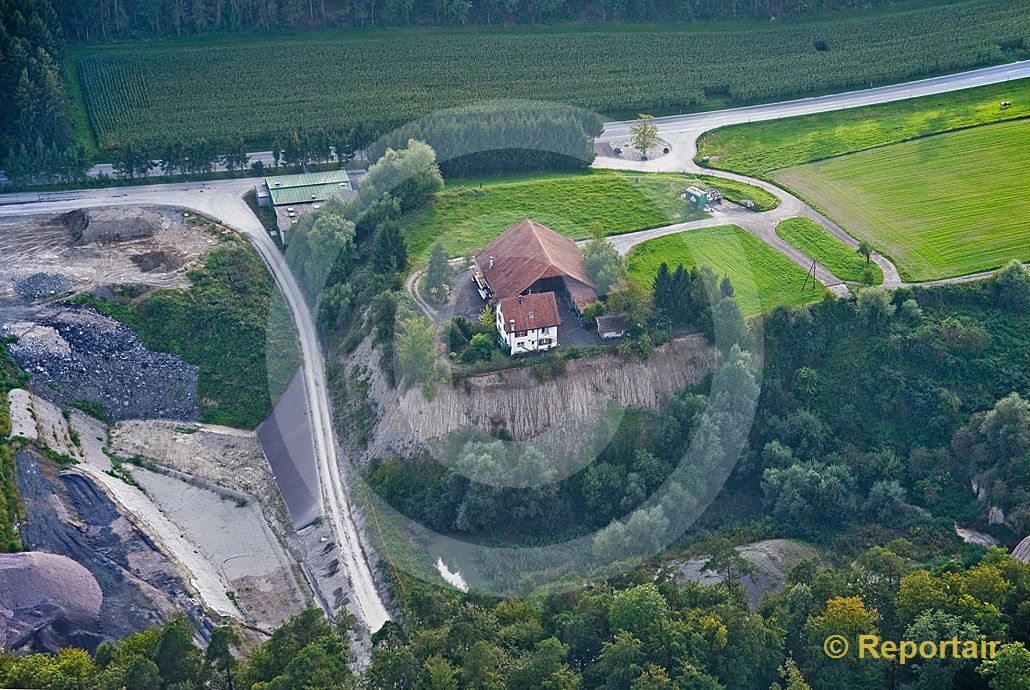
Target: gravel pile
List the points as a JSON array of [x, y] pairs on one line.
[[40, 285], [47, 599], [77, 354]]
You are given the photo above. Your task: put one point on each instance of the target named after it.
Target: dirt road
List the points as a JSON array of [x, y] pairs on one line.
[[222, 200]]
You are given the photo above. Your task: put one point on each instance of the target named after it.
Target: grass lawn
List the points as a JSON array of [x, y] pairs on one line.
[[470, 215], [758, 149], [762, 277], [813, 239], [940, 206]]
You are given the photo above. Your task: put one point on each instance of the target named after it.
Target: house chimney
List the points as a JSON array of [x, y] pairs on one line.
[[512, 322], [491, 262]]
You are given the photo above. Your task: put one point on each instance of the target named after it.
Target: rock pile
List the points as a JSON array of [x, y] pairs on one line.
[[40, 285], [47, 601], [78, 354]]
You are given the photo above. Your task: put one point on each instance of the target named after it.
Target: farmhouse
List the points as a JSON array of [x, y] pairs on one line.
[[529, 323], [531, 258], [292, 195]]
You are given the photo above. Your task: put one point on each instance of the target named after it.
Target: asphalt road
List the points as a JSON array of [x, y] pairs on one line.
[[704, 121], [223, 201], [701, 122]]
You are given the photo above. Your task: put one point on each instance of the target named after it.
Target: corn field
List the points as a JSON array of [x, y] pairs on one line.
[[370, 83]]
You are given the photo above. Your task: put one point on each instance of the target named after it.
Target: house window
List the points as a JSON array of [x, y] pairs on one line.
[[520, 334], [545, 341]]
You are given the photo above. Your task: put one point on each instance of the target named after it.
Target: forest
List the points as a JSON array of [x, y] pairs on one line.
[[91, 20], [35, 107]]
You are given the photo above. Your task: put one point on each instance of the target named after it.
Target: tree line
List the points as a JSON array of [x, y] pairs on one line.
[[648, 630], [35, 108], [92, 20]]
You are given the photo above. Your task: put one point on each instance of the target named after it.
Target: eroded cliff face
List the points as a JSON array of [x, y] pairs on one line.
[[560, 412]]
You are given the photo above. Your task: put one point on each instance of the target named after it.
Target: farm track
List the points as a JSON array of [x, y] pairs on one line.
[[683, 131], [222, 201]]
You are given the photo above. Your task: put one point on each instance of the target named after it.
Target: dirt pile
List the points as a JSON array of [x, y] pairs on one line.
[[76, 354], [67, 515], [81, 251], [157, 261], [47, 601], [113, 224]]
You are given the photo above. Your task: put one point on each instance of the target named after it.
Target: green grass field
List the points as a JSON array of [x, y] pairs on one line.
[[813, 239], [758, 149], [470, 215], [259, 87], [940, 206], [762, 277]]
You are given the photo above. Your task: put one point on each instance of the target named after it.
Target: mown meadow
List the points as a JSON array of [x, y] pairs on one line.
[[939, 206], [762, 277], [814, 240], [759, 148]]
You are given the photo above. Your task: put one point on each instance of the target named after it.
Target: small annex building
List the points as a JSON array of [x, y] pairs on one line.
[[609, 327], [700, 197], [293, 195], [529, 323], [531, 258]]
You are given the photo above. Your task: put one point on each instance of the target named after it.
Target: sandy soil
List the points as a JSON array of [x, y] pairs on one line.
[[229, 527], [53, 245], [228, 457], [19, 403]]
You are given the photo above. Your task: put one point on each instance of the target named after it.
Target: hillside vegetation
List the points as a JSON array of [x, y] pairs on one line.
[[365, 84], [939, 206], [11, 510], [759, 148], [222, 325]]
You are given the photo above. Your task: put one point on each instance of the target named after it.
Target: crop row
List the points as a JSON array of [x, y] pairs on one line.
[[258, 91]]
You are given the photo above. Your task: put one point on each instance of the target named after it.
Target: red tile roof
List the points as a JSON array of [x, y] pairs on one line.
[[528, 252], [539, 310]]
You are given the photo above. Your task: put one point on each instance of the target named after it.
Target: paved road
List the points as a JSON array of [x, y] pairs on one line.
[[700, 122], [682, 132], [223, 201]]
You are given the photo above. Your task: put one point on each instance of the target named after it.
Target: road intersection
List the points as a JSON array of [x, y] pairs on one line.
[[222, 200]]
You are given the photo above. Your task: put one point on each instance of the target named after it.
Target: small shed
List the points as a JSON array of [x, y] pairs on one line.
[[700, 197], [609, 327]]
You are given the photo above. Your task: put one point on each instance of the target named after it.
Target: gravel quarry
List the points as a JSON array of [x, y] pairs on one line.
[[214, 541], [61, 254], [75, 354]]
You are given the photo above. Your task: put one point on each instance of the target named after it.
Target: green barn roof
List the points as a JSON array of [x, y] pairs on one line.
[[307, 187]]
